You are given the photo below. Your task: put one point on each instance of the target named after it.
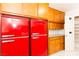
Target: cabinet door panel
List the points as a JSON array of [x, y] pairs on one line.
[[53, 26], [51, 46], [43, 10], [56, 16], [57, 48], [13, 8], [62, 43], [50, 14], [62, 17], [62, 46], [29, 9], [55, 44], [15, 47]]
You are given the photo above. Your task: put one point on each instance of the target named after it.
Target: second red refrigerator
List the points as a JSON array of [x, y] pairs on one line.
[[23, 36], [39, 37]]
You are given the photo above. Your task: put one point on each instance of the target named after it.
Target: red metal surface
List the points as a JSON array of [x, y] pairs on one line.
[[0, 34], [14, 26], [38, 37]]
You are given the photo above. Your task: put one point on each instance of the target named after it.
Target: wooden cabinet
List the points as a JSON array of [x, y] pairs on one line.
[[55, 44], [50, 27], [50, 15], [0, 7], [62, 43], [59, 16], [51, 46], [30, 9], [27, 9], [11, 8], [55, 15], [62, 17], [43, 10], [54, 26]]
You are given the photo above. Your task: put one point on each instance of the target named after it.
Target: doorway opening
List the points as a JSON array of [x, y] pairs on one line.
[[76, 33]]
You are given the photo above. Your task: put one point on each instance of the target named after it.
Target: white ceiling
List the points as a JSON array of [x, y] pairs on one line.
[[64, 6]]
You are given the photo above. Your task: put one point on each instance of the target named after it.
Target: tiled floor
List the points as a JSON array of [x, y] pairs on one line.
[[67, 53]]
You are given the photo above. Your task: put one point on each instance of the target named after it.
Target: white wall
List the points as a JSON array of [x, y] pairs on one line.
[[69, 26]]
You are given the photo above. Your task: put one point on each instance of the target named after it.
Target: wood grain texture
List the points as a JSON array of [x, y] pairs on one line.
[[14, 8], [54, 26], [30, 9], [55, 44]]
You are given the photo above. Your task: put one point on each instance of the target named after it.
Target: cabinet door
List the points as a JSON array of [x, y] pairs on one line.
[[50, 14], [56, 16], [59, 16], [62, 17], [43, 10], [0, 7], [62, 43], [51, 46], [49, 25], [12, 8], [57, 42], [54, 26], [29, 9]]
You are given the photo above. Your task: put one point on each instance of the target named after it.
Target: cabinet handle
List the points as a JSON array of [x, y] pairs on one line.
[[6, 41]]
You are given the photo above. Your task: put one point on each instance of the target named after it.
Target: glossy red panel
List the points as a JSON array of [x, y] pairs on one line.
[[0, 47], [39, 37], [17, 47], [0, 34], [39, 26], [16, 30], [14, 25]]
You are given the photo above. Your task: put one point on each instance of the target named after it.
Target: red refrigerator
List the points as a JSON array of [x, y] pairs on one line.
[[22, 36], [39, 37], [14, 35]]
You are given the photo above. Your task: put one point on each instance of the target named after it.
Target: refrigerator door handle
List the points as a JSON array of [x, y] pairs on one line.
[[15, 37], [42, 35], [35, 37], [6, 41], [7, 35]]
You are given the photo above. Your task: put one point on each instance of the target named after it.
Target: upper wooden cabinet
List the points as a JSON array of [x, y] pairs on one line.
[[59, 16], [0, 7], [43, 10], [50, 15], [29, 9], [12, 8], [62, 17], [40, 10], [56, 16]]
